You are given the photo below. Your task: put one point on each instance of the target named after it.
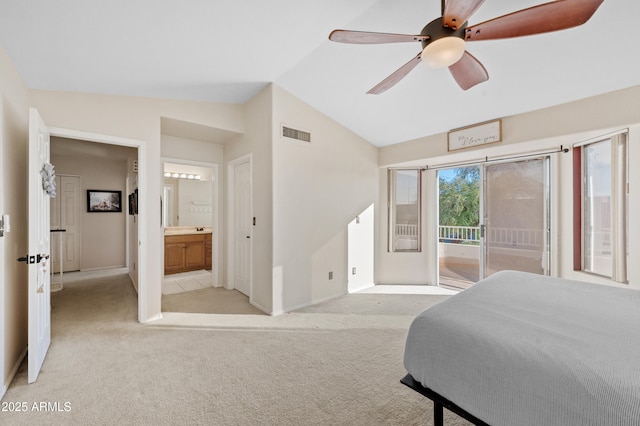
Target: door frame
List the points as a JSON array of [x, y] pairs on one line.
[[215, 215], [4, 273], [144, 205], [231, 221]]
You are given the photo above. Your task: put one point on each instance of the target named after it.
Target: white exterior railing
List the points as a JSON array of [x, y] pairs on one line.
[[504, 236], [459, 234], [471, 235], [515, 237], [406, 237], [407, 230]]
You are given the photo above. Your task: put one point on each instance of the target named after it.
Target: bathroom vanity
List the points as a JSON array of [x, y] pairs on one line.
[[187, 248]]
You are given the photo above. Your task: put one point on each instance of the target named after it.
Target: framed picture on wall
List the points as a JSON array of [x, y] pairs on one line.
[[101, 201]]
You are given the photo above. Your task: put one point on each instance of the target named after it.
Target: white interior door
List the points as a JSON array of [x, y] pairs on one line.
[[242, 224], [39, 247], [65, 215]]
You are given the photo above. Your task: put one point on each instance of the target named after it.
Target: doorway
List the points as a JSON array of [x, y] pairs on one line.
[[459, 218], [38, 194], [136, 238], [191, 228], [493, 217]]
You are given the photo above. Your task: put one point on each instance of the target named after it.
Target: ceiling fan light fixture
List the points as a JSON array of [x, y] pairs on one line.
[[443, 52]]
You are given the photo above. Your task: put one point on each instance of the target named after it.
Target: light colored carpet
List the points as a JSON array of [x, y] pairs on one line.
[[210, 300], [338, 363]]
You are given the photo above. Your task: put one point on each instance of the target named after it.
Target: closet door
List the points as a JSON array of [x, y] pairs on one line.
[[65, 215]]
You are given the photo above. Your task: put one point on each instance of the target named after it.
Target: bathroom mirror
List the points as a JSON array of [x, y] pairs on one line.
[[187, 195]]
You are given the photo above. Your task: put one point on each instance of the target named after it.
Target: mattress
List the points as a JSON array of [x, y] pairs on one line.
[[524, 349]]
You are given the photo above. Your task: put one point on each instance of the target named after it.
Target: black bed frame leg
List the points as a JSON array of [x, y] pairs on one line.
[[438, 415], [439, 402]]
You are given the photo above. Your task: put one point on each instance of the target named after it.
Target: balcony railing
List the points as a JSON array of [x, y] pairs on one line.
[[471, 235], [403, 230], [459, 234]]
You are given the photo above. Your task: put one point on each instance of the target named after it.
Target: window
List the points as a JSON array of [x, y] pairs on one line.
[[404, 209], [603, 204]]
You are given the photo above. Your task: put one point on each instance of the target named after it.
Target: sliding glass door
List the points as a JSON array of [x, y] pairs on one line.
[[516, 216], [493, 217]]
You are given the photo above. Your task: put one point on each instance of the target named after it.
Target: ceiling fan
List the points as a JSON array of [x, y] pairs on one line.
[[444, 39]]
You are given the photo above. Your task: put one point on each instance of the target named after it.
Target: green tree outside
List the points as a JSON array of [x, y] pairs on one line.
[[460, 198]]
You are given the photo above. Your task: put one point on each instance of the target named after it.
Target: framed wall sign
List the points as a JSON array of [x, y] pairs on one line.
[[100, 201], [478, 134]]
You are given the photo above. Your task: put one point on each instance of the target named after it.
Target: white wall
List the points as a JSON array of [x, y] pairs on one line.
[[304, 197], [195, 202], [413, 268], [256, 141], [318, 190], [539, 130], [13, 176], [192, 150]]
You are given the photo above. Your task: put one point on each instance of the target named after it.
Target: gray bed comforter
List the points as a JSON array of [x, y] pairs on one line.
[[523, 349]]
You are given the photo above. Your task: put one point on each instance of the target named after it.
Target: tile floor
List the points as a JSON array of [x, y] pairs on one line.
[[186, 281]]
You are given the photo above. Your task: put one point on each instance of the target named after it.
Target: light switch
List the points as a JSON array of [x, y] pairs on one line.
[[4, 224]]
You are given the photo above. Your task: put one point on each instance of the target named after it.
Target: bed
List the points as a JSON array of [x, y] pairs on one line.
[[524, 349]]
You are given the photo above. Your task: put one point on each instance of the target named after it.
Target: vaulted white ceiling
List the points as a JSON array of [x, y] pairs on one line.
[[228, 50]]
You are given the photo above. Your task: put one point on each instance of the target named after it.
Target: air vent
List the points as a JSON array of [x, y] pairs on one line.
[[300, 135]]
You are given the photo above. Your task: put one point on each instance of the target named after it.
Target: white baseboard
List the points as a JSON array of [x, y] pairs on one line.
[[313, 302], [12, 373], [103, 268], [408, 282], [361, 287], [262, 308], [55, 287], [153, 318], [135, 284]]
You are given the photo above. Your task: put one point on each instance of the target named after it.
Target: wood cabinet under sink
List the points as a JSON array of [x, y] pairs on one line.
[[187, 252]]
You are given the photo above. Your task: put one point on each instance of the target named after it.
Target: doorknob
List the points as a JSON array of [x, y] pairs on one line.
[[33, 259], [27, 259]]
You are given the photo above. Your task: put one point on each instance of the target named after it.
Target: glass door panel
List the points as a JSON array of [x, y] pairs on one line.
[[516, 216], [459, 252]]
